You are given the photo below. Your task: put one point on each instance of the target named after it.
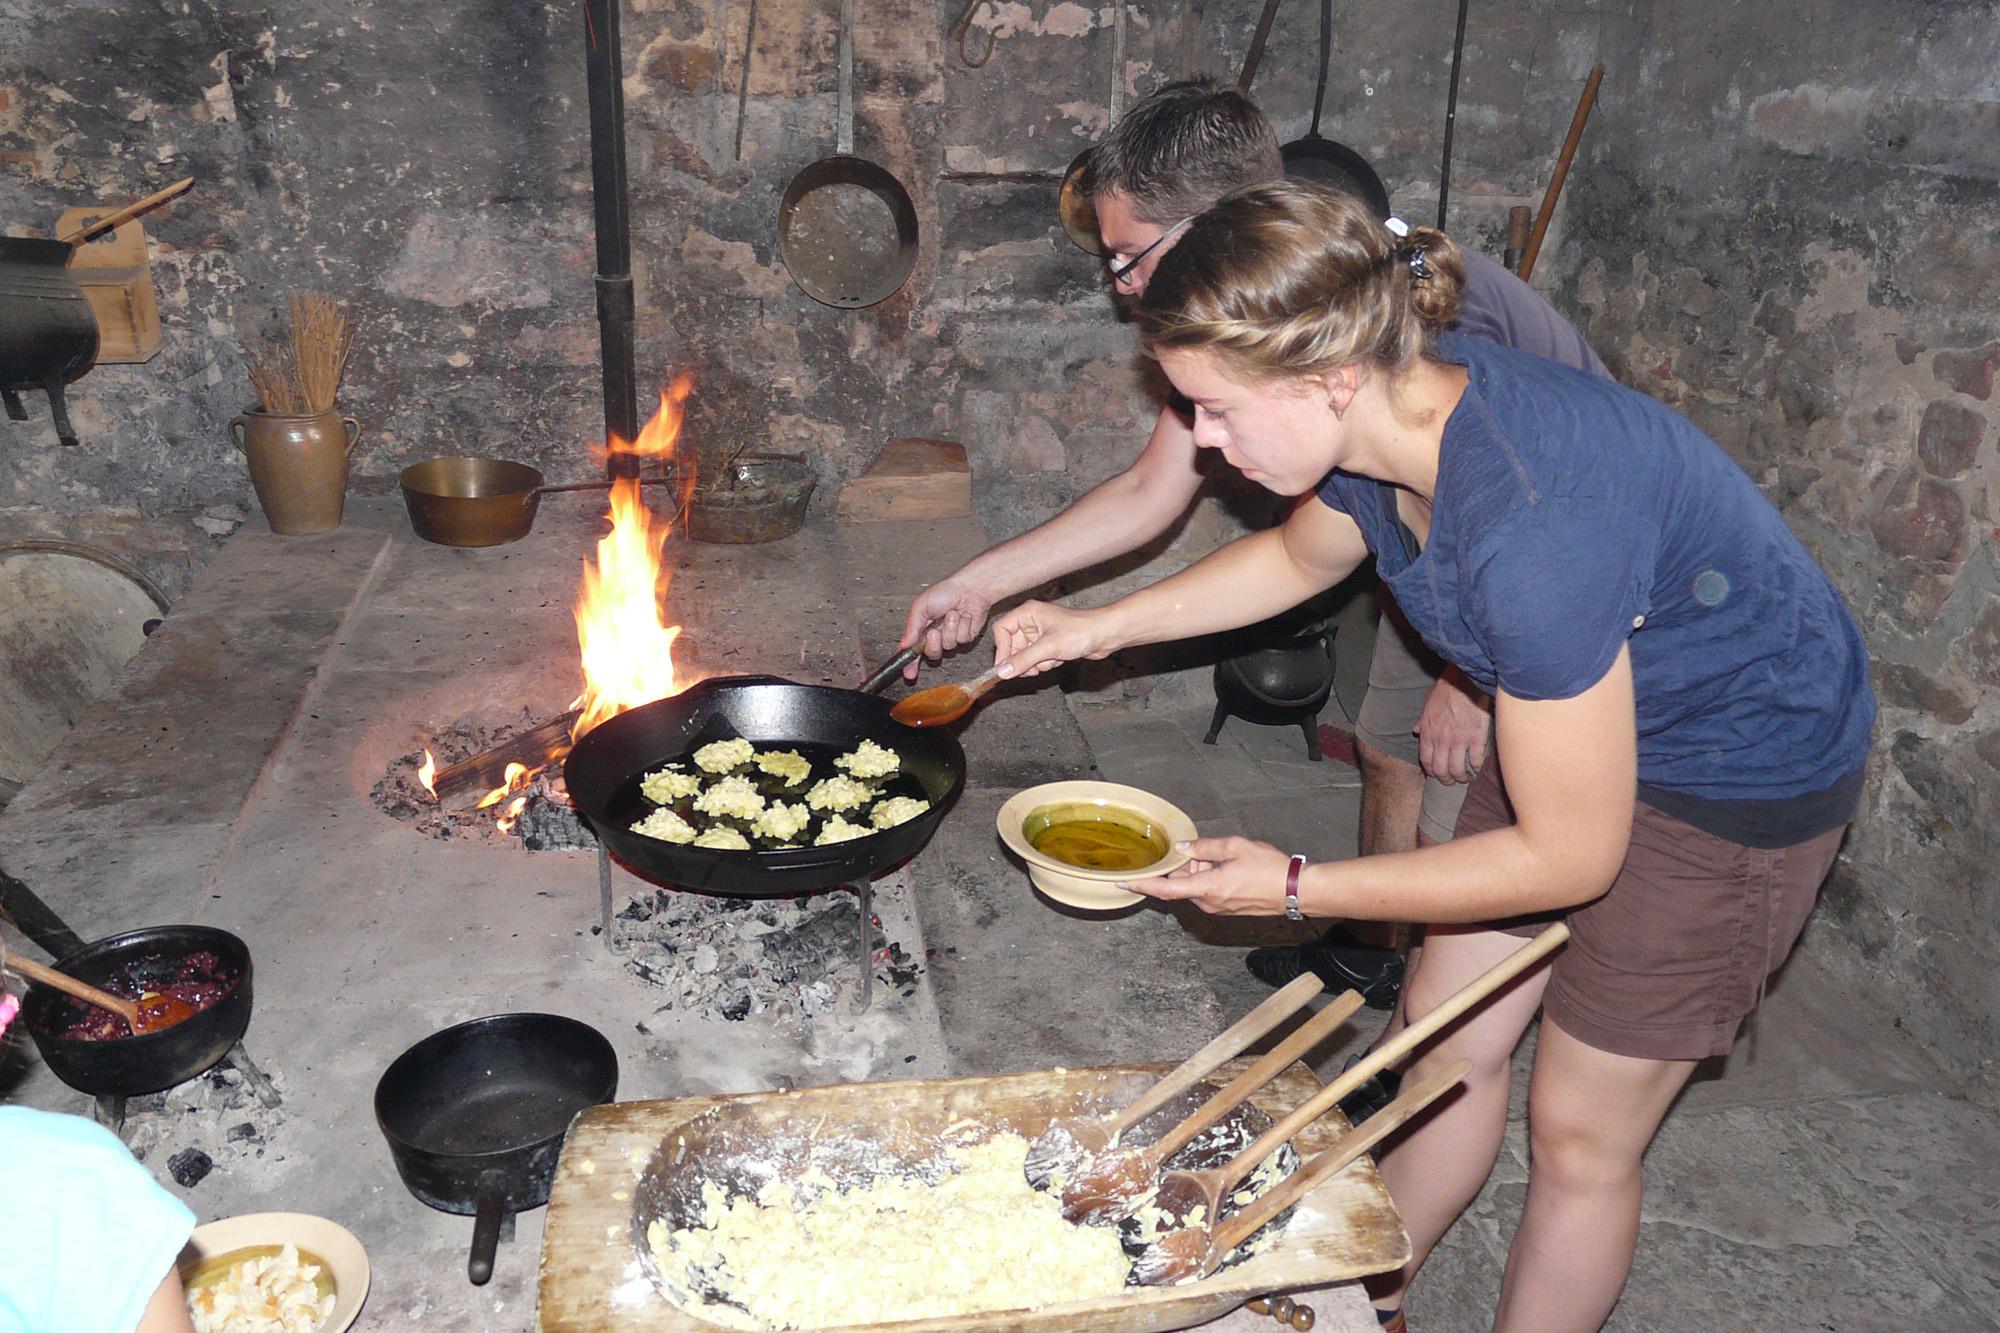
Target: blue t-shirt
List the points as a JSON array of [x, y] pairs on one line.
[[89, 1235], [1573, 516]]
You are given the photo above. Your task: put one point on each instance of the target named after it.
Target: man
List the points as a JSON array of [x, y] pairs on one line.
[[1422, 730]]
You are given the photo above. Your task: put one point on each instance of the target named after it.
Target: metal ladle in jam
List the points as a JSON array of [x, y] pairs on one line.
[[1095, 837]]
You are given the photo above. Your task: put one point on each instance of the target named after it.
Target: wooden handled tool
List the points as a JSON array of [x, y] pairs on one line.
[[125, 214], [1181, 1192], [1108, 1185], [941, 704], [1065, 1144], [149, 1014], [1549, 196], [1196, 1251]]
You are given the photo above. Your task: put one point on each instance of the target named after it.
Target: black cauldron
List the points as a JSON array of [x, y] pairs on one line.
[[152, 1061], [48, 332], [1278, 675]]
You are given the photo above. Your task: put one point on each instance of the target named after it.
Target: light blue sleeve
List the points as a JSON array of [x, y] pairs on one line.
[[87, 1233]]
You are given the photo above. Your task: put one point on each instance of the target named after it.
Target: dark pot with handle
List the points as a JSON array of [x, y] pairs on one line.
[[48, 332], [1316, 158]]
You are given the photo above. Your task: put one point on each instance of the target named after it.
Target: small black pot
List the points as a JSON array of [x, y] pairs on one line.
[[151, 1061]]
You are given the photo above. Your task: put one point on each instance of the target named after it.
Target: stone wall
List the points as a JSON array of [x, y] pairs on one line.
[[1789, 233], [1783, 225]]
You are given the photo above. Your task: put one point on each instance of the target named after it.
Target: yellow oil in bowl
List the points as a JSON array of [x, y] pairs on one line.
[[1095, 837]]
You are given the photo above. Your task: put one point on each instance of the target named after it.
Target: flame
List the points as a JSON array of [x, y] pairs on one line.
[[505, 823], [517, 777], [428, 770], [627, 647]]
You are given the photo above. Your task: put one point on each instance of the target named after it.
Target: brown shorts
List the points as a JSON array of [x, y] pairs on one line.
[[1671, 960]]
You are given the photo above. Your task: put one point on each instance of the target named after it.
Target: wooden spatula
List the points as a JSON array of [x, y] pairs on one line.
[[1065, 1146], [1109, 1184], [1196, 1251], [150, 1013], [1182, 1192]]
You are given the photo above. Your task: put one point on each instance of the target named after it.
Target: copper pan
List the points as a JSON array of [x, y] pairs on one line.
[[478, 501]]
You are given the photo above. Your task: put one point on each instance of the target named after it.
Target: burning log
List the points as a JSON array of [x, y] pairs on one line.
[[467, 783]]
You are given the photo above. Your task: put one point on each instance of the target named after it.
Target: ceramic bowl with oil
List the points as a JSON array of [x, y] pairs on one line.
[[216, 1248], [1081, 839]]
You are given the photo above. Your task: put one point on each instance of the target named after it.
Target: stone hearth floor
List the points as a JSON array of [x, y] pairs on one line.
[[1834, 1182]]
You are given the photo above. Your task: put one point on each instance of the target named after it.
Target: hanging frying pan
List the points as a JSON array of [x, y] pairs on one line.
[[1314, 158], [1079, 219], [846, 228]]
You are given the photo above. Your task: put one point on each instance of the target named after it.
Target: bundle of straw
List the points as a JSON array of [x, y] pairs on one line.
[[301, 376]]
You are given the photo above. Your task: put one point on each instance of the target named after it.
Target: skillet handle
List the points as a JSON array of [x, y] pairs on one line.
[[889, 669], [485, 1237]]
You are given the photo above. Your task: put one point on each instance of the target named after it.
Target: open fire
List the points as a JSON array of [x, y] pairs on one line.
[[624, 641]]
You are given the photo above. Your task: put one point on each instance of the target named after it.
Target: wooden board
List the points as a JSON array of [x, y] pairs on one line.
[[910, 478], [115, 273], [593, 1281]]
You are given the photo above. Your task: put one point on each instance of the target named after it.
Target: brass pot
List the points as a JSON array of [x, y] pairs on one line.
[[471, 501]]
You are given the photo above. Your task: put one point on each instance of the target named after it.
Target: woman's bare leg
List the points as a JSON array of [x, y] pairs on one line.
[[1590, 1116], [1436, 1168]]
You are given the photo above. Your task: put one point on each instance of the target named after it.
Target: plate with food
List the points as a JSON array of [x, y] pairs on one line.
[[273, 1273], [1082, 839]]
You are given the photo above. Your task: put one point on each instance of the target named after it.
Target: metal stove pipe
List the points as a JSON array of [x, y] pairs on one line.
[[605, 70]]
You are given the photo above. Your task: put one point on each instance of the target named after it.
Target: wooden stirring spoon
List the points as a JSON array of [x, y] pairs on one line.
[[149, 1014], [1182, 1192], [1066, 1145], [941, 704], [1110, 1184], [1197, 1251]]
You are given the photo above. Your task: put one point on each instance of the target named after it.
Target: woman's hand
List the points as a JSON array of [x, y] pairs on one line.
[[944, 616], [1036, 636], [1227, 877], [1451, 731]]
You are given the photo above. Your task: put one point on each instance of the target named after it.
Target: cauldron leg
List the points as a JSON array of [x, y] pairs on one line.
[[16, 409], [1311, 728], [260, 1082], [1215, 723], [862, 892], [110, 1112]]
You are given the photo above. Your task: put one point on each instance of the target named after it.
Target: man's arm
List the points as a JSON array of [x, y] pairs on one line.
[[1118, 515]]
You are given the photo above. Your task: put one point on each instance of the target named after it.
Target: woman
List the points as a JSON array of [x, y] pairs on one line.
[[1682, 707]]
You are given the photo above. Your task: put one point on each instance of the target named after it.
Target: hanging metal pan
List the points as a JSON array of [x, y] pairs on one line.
[[1079, 216], [846, 228], [1315, 158]]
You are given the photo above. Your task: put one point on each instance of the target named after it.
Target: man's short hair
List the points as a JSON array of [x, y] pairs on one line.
[[1181, 149]]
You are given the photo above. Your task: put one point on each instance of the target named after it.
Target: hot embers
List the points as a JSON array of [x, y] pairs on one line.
[[733, 957], [536, 815]]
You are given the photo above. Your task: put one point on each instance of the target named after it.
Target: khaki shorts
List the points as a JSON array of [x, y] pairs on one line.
[[1671, 960], [1400, 676]]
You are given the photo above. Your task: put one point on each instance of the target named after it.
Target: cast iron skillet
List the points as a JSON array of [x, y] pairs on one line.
[[604, 770], [131, 1066], [475, 1115], [1315, 158]]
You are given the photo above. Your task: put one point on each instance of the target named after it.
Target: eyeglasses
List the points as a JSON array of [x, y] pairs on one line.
[[1121, 274]]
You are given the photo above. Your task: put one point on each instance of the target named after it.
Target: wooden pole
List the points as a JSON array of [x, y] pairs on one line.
[[1588, 100]]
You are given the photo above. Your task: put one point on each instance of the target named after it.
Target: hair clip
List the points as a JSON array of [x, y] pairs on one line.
[[1397, 227], [1420, 267]]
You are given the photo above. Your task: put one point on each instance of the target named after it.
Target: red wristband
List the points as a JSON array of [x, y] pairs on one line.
[[1292, 888]]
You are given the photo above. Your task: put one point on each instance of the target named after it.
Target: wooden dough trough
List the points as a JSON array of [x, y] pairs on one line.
[[618, 1171]]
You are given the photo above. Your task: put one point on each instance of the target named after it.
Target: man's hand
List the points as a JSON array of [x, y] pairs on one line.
[[1227, 877], [1452, 729], [1037, 636], [946, 615]]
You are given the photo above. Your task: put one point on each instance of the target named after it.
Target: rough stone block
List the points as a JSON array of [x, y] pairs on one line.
[[1948, 438], [1969, 372], [1920, 517]]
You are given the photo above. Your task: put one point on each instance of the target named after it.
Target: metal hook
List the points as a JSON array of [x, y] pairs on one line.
[[963, 29]]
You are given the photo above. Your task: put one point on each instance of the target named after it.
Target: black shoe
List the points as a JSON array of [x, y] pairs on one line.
[[1376, 973], [1371, 1096]]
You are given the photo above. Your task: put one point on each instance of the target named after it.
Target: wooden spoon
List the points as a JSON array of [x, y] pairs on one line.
[[123, 216], [1181, 1192], [1108, 1185], [150, 1013], [940, 704], [1197, 1251], [1066, 1144]]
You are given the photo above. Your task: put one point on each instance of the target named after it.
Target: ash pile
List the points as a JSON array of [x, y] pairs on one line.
[[537, 815], [217, 1122], [729, 958]]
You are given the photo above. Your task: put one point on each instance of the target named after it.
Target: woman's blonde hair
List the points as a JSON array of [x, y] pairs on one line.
[[1289, 278]]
